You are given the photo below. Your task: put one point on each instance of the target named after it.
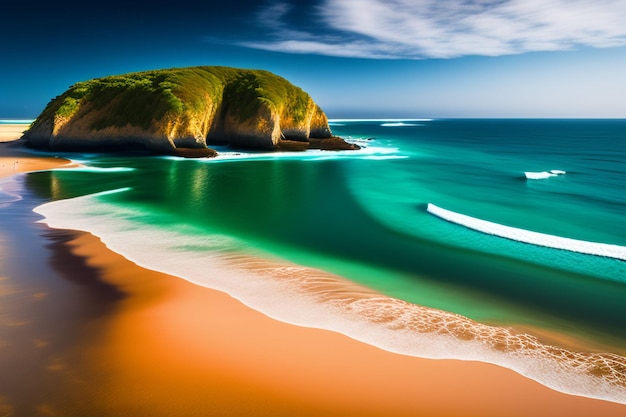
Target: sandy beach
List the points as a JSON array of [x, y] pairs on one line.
[[174, 348], [12, 131], [167, 347], [14, 160], [10, 165]]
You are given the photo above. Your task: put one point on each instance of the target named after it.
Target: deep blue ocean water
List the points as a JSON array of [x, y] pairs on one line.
[[363, 216]]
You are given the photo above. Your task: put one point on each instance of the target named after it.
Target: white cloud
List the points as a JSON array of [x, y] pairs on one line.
[[416, 29]]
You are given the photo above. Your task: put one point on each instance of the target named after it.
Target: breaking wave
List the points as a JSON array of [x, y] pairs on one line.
[[398, 124], [367, 151], [377, 120], [527, 236], [314, 298], [544, 174], [94, 169]]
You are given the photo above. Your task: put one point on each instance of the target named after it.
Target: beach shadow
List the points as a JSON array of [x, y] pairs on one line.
[[97, 297]]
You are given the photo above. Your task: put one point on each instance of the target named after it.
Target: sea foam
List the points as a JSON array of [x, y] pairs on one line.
[[84, 168], [399, 124], [527, 236], [311, 297], [367, 151], [543, 174], [377, 120]]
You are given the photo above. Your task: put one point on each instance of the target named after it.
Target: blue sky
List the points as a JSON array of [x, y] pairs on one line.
[[357, 58]]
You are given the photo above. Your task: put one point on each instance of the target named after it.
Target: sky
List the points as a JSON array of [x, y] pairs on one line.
[[356, 58]]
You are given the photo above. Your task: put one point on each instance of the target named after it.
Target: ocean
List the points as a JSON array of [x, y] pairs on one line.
[[502, 241]]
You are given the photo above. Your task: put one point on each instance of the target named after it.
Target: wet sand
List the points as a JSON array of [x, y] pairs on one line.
[[166, 347], [174, 348]]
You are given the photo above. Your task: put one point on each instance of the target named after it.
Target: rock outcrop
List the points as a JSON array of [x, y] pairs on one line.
[[174, 110]]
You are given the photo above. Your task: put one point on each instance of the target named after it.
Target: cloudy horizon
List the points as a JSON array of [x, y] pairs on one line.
[[357, 58], [422, 29]]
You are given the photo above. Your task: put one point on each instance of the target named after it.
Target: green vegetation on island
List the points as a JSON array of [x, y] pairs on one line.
[[180, 108]]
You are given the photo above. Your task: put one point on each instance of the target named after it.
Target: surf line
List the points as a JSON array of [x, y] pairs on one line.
[[527, 236]]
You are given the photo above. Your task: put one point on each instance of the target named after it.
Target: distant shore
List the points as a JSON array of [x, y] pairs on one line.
[[14, 160], [12, 131], [174, 348]]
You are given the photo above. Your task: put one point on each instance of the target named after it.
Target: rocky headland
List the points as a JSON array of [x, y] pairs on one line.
[[182, 111]]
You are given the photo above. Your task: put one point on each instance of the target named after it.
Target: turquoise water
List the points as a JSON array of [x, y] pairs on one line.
[[362, 215], [13, 121]]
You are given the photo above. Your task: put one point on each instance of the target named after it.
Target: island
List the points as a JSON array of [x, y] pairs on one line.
[[181, 111]]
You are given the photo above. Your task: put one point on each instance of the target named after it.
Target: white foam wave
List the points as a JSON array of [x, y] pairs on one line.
[[108, 192], [527, 236], [384, 157], [366, 151], [84, 168], [378, 120], [309, 297], [399, 124], [544, 174]]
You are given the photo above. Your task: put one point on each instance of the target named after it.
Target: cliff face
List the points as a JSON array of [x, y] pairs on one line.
[[165, 110]]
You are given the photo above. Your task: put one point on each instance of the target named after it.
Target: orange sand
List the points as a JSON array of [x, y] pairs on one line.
[[13, 165], [13, 160], [178, 349]]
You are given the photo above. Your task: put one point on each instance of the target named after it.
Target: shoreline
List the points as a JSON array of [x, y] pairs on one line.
[[15, 160], [312, 298], [11, 165], [174, 348], [168, 332]]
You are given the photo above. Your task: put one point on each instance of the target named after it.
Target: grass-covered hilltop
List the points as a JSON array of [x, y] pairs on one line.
[[182, 110]]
